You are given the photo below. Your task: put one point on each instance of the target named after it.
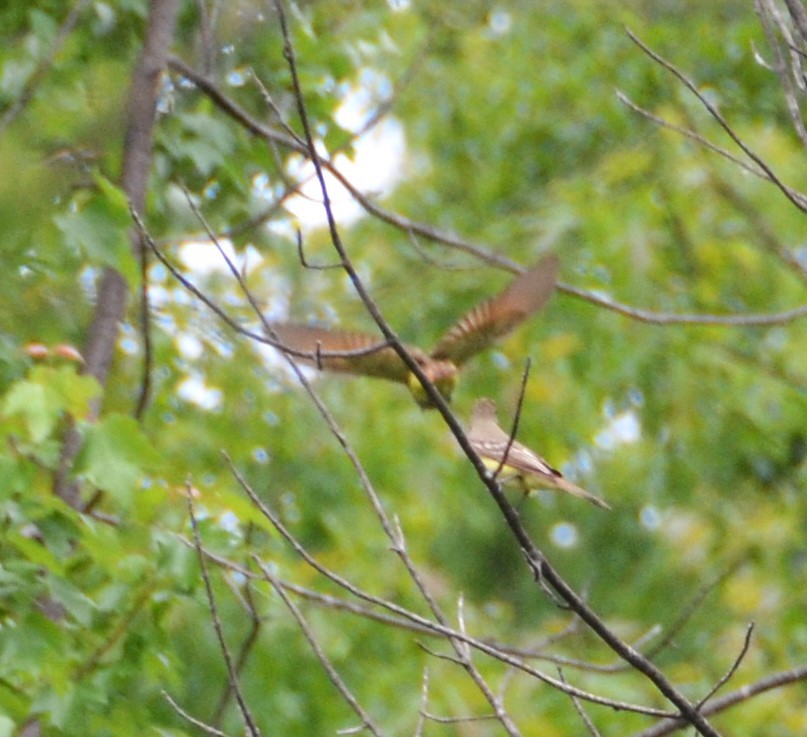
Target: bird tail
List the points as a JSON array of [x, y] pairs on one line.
[[574, 490]]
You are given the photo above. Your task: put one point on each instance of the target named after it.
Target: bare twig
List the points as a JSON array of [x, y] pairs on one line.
[[306, 264], [516, 418], [225, 317], [581, 712], [733, 669], [324, 661], [145, 329], [424, 699], [691, 134], [326, 600], [799, 16], [244, 651], [436, 628], [716, 706], [207, 35], [452, 240], [214, 616], [797, 198], [192, 720], [669, 318], [431, 391], [457, 720], [270, 103]]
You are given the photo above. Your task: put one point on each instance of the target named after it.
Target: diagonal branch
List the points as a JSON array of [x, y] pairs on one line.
[[796, 197], [333, 675], [435, 628], [777, 680], [232, 671], [536, 560], [451, 240]]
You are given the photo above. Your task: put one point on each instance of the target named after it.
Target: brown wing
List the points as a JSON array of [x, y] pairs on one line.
[[382, 363], [498, 315]]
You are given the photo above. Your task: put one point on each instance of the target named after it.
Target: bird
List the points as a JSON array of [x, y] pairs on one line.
[[521, 464], [475, 331]]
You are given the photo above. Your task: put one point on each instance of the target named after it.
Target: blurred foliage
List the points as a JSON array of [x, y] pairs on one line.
[[516, 141]]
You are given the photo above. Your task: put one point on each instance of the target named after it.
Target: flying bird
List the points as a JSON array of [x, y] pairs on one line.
[[477, 330], [521, 464]]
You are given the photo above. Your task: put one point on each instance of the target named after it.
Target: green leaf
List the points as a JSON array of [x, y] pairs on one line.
[[204, 140], [6, 726], [98, 228], [42, 399], [115, 456], [76, 604], [30, 401], [12, 477]]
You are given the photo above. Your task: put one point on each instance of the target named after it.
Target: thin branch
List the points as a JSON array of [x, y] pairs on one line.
[[691, 134], [733, 669], [424, 700], [794, 196], [326, 600], [453, 241], [305, 263], [147, 365], [453, 659], [192, 720], [244, 651], [233, 324], [457, 720], [323, 659], [578, 707], [799, 16], [511, 438], [270, 103], [431, 391], [764, 685], [214, 616], [434, 627], [414, 623], [669, 318], [536, 559], [207, 34]]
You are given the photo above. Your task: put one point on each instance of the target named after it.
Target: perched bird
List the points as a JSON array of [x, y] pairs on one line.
[[490, 442], [477, 330]]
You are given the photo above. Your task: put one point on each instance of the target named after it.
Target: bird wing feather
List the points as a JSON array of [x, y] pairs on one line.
[[497, 316], [381, 363]]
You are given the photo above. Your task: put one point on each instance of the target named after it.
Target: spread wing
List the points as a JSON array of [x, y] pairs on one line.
[[498, 315], [320, 344]]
